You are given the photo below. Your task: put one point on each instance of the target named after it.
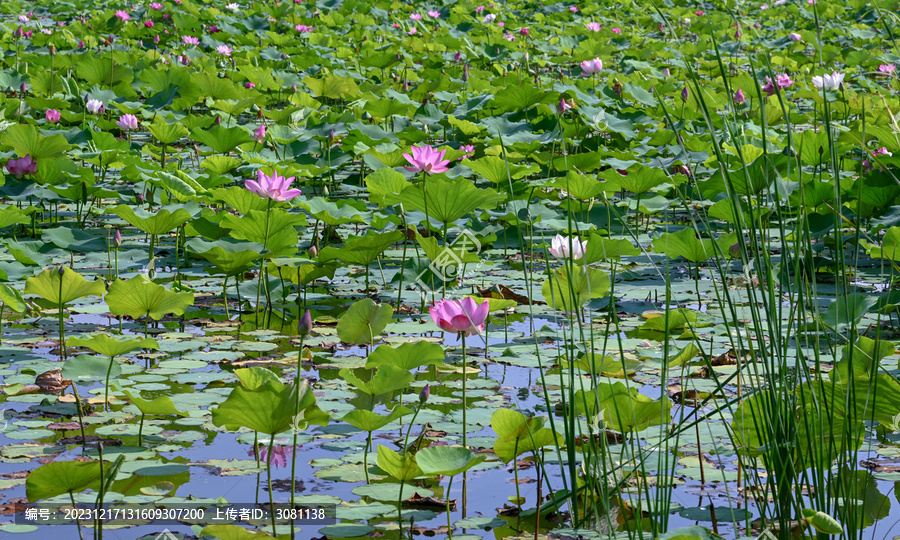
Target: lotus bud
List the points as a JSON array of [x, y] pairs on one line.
[[313, 251], [735, 250], [219, 120], [23, 88], [18, 33], [305, 324], [685, 94], [425, 394], [61, 270], [739, 97], [294, 88], [118, 238]]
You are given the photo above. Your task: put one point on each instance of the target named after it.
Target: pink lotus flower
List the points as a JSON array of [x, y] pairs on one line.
[[22, 166], [304, 29], [469, 150], [224, 50], [122, 16], [260, 133], [594, 27], [616, 31], [127, 122], [156, 5], [887, 69], [479, 9], [559, 247], [249, 85], [573, 9], [883, 151], [592, 66], [698, 13], [781, 81], [416, 16], [272, 187], [95, 106], [508, 36], [412, 31], [426, 159], [562, 107], [523, 31], [280, 454], [148, 24], [52, 116], [461, 316], [795, 36], [434, 14]]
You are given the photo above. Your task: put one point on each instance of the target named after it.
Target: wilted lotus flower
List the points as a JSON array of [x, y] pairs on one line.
[[127, 122], [828, 82], [592, 66], [461, 316], [426, 159], [52, 116], [22, 166], [122, 15], [94, 106], [559, 247]]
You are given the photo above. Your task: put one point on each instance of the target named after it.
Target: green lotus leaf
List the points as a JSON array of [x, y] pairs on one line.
[[271, 408], [407, 356], [12, 298], [112, 346], [60, 477], [27, 141], [364, 321], [517, 434], [447, 460], [60, 290], [685, 243], [161, 406], [403, 467], [362, 250], [448, 200], [370, 421], [570, 288], [166, 219], [387, 378], [140, 297]]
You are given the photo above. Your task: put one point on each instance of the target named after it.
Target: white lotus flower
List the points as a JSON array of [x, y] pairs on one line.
[[559, 247], [828, 82], [233, 7]]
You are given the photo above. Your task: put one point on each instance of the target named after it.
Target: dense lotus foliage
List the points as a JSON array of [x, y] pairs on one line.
[[511, 269]]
